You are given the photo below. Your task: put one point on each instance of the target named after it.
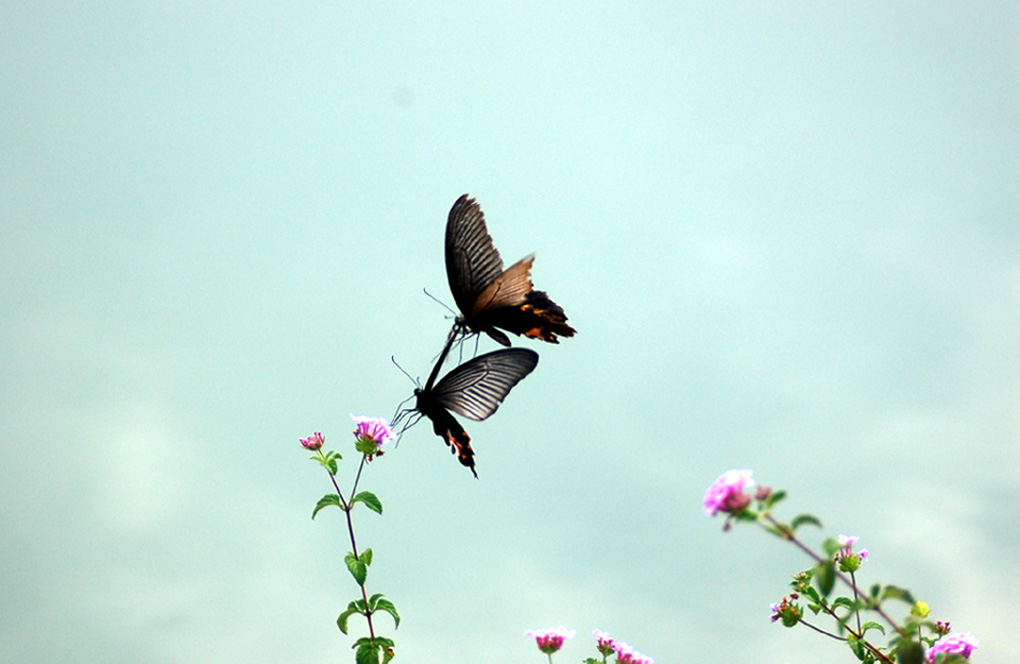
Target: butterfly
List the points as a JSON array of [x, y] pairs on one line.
[[488, 296], [473, 389]]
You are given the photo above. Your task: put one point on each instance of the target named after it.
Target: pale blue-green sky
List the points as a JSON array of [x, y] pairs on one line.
[[787, 233]]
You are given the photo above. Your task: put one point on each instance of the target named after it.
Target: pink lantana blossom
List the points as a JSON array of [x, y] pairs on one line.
[[605, 642], [374, 429], [848, 559], [550, 640], [727, 494], [627, 655], [313, 442], [961, 643]]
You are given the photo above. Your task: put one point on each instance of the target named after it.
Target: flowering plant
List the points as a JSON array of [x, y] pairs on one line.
[[551, 640], [370, 435], [731, 494]]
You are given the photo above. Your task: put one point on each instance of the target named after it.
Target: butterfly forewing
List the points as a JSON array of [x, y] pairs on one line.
[[476, 388], [472, 260]]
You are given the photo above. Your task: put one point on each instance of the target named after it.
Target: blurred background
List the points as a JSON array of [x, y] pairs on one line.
[[788, 235]]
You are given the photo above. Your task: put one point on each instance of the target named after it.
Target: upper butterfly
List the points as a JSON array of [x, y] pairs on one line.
[[488, 296]]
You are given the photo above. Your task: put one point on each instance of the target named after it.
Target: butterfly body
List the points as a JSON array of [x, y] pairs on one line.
[[489, 297]]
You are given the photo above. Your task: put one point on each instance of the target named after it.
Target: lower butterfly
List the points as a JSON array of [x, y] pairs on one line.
[[473, 389]]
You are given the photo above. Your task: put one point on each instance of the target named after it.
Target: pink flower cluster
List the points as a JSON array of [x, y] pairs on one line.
[[605, 642], [961, 643], [372, 428], [624, 653], [846, 542], [627, 655], [727, 494], [788, 611], [313, 442], [846, 558], [550, 640]]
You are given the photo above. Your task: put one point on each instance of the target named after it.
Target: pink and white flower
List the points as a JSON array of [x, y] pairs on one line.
[[727, 493]]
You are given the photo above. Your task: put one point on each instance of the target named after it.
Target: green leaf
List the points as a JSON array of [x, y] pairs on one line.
[[386, 605], [329, 500], [856, 646], [895, 592], [825, 577], [830, 545], [774, 497], [357, 568], [341, 621], [871, 624], [367, 654], [909, 652], [843, 601], [366, 557], [805, 520], [370, 500]]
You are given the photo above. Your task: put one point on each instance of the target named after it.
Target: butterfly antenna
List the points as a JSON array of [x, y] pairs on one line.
[[440, 302], [411, 378]]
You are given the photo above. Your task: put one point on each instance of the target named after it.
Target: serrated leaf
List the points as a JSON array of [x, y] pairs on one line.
[[329, 500], [805, 520], [370, 500], [331, 466], [357, 568], [366, 654]]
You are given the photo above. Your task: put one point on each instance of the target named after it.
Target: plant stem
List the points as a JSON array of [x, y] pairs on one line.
[[354, 543], [788, 534]]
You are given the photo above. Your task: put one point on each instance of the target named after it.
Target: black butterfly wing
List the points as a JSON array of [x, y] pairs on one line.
[[446, 426], [472, 260], [476, 388]]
